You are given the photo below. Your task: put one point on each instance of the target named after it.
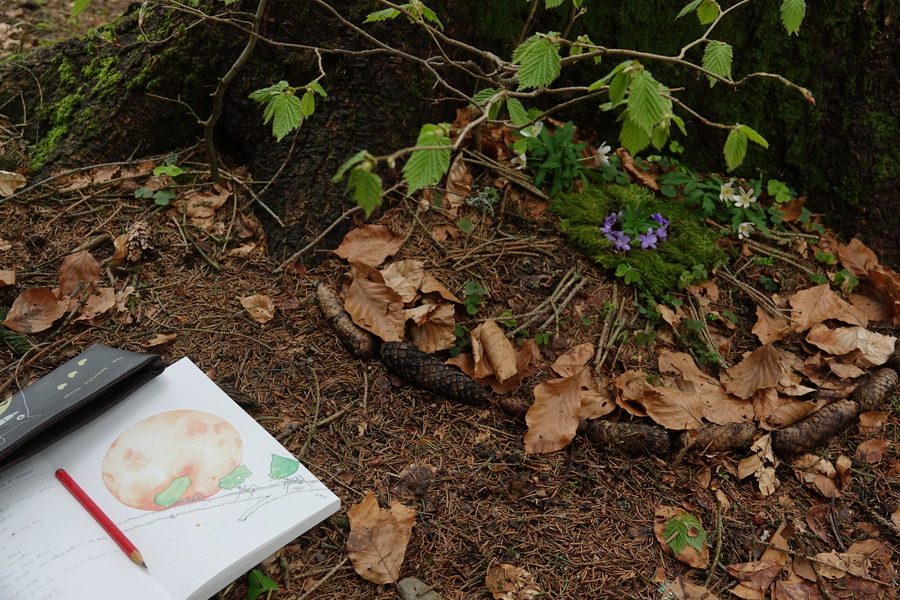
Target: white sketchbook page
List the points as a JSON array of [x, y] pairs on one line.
[[51, 548], [194, 549]]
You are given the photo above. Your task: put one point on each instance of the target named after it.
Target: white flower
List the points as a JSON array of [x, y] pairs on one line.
[[532, 130], [745, 198], [727, 193], [744, 230], [603, 153], [521, 160]]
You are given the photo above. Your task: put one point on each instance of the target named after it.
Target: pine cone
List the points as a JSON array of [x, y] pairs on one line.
[[357, 340], [427, 372], [872, 393], [816, 429], [139, 240]]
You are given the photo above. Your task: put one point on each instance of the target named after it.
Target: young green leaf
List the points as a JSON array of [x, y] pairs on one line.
[[258, 584], [754, 136], [708, 11], [618, 86], [286, 113], [552, 3], [717, 59], [634, 137], [426, 167], [539, 61], [646, 106], [79, 7], [682, 531], [792, 13], [270, 93], [366, 189], [464, 225], [517, 112], [431, 16], [317, 88], [350, 163], [660, 134], [382, 15], [735, 148], [689, 7], [308, 103]]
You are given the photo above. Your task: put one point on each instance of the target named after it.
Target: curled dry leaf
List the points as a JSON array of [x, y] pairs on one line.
[[494, 353], [857, 258], [201, 206], [769, 328], [834, 565], [433, 326], [373, 305], [35, 310], [260, 307], [120, 252], [10, 182], [7, 278], [508, 582], [378, 538], [369, 244], [685, 376], [405, 277], [459, 182], [97, 303], [159, 339], [874, 348], [755, 578], [553, 418], [820, 303], [79, 268], [759, 370], [871, 451]]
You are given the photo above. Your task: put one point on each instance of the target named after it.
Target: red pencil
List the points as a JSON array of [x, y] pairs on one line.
[[105, 522]]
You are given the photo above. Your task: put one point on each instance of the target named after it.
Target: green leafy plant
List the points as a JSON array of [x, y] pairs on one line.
[[258, 584], [162, 196], [473, 297], [543, 338], [846, 279], [683, 531], [284, 109], [556, 158]]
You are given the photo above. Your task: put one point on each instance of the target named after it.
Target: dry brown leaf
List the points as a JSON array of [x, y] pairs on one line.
[[674, 409], [507, 582], [871, 451], [553, 418], [839, 565], [770, 329], [874, 308], [574, 360], [369, 244], [494, 353], [755, 578], [104, 174], [7, 278], [378, 538], [682, 589], [201, 206], [760, 369], [79, 268], [886, 284], [820, 303], [459, 182], [870, 422], [433, 326], [796, 590], [260, 307], [688, 555], [405, 277], [857, 258], [120, 250], [631, 387], [159, 339], [97, 303], [35, 310], [373, 305], [10, 182], [718, 406], [432, 285]]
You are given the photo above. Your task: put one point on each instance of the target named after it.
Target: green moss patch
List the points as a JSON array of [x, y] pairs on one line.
[[690, 247]]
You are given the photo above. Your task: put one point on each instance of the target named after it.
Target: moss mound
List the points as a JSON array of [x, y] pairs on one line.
[[690, 248]]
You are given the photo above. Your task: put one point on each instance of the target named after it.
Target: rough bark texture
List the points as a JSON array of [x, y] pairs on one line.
[[91, 103]]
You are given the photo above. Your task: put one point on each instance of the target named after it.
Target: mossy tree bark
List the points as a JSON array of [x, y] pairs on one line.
[[89, 100]]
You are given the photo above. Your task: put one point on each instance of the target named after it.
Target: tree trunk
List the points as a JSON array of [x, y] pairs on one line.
[[98, 98]]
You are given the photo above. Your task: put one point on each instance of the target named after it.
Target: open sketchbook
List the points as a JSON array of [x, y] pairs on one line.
[[203, 491]]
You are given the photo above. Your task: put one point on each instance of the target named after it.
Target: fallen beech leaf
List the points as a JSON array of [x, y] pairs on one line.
[[432, 285], [688, 555], [770, 329], [373, 305], [507, 582], [7, 278], [201, 206], [159, 339], [574, 360], [378, 538], [459, 182], [553, 418], [717, 405], [97, 303], [820, 303], [874, 308], [10, 182], [837, 566], [120, 249], [759, 370], [682, 589], [857, 258], [871, 451], [673, 409], [260, 307], [433, 326], [834, 341], [755, 577], [494, 353], [872, 421], [369, 244], [35, 310], [631, 387], [796, 590], [886, 284], [405, 277], [79, 268]]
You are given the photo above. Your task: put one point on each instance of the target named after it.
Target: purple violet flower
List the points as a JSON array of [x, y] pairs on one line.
[[663, 222], [660, 234], [608, 224], [648, 240], [620, 243]]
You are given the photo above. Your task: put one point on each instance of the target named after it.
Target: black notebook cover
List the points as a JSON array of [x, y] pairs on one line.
[[68, 397]]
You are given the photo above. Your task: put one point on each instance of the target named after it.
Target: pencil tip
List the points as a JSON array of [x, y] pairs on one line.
[[136, 557]]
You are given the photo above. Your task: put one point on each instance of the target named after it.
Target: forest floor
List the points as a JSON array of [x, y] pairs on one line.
[[584, 521]]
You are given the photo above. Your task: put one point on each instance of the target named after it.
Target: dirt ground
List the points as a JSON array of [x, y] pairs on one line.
[[579, 520]]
